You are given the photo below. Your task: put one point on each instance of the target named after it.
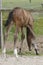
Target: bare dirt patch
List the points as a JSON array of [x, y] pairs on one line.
[[24, 60]]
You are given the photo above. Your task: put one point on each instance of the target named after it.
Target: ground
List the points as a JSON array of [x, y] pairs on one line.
[[38, 29], [24, 60], [10, 46]]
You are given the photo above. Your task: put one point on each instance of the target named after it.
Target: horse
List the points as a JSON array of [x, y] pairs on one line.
[[21, 18]]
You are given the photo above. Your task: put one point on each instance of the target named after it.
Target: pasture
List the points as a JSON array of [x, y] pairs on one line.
[[38, 18], [22, 3], [38, 24]]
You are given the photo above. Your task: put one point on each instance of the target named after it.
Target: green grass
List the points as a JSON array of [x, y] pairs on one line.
[[29, 53], [21, 3], [38, 27], [23, 53], [38, 24]]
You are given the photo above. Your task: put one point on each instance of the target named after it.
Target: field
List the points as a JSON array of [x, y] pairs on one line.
[[38, 24], [38, 17], [22, 3], [27, 58]]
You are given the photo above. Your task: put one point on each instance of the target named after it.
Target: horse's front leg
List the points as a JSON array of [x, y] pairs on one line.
[[15, 39], [8, 28], [4, 46]]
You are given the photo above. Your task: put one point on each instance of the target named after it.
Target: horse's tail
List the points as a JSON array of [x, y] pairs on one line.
[[29, 37], [28, 33], [10, 18]]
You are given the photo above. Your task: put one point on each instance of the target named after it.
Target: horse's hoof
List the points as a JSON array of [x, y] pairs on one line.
[[15, 52], [19, 51], [30, 49], [37, 52]]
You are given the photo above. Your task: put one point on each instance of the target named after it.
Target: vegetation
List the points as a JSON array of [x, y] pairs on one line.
[[38, 23], [29, 53], [38, 27], [22, 3]]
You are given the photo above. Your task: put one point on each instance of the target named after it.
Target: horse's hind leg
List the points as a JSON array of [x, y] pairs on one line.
[[34, 44], [22, 38], [15, 39], [29, 37], [29, 42]]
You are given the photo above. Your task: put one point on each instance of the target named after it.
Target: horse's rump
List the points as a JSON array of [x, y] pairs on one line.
[[22, 17]]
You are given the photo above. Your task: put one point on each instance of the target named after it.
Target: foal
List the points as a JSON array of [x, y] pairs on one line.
[[21, 18]]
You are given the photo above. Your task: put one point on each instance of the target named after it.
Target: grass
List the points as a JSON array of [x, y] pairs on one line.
[[38, 26], [23, 53], [29, 53], [26, 53], [21, 3]]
